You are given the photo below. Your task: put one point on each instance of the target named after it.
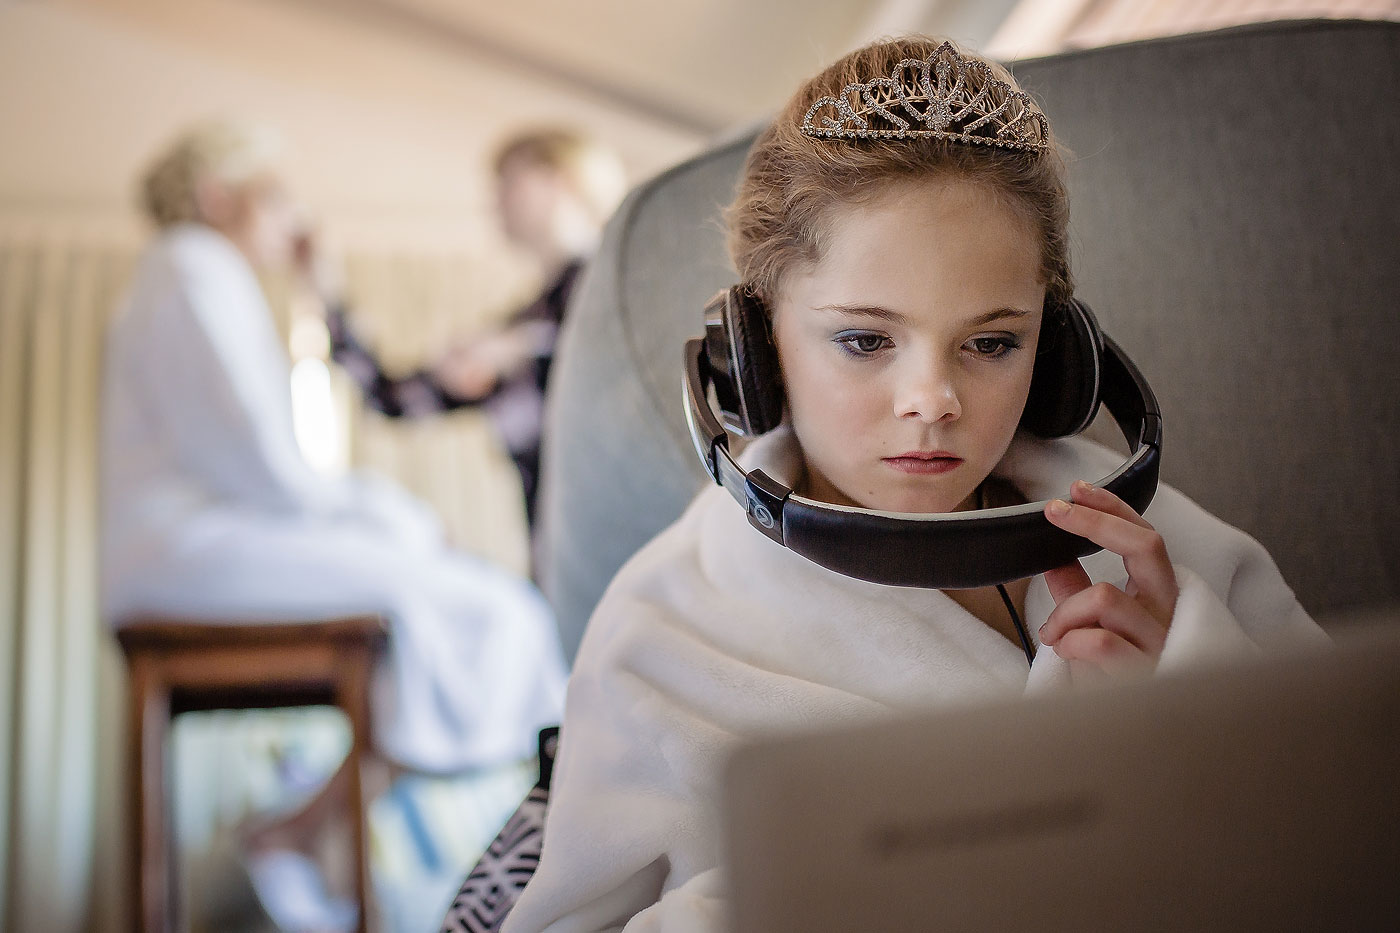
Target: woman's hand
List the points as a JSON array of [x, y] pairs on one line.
[[473, 369], [318, 271], [1097, 627], [467, 372]]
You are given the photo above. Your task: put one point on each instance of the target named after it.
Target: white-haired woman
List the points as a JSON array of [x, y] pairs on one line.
[[210, 511]]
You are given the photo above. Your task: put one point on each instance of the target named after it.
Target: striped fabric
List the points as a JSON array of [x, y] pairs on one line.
[[508, 864]]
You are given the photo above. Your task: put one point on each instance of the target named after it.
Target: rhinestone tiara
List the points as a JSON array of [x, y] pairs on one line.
[[946, 96]]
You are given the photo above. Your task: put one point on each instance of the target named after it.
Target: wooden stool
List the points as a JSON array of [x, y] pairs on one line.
[[179, 665]]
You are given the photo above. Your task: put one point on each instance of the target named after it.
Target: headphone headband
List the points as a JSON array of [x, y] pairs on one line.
[[948, 550]]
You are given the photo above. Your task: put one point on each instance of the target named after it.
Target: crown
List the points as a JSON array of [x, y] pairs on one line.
[[947, 96]]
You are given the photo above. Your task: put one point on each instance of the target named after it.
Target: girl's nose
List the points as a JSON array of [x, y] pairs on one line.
[[927, 392]]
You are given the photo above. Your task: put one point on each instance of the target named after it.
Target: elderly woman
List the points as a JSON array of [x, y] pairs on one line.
[[210, 511]]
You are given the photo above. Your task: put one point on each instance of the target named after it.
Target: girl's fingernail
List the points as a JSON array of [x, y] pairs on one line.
[[1059, 507], [1081, 486]]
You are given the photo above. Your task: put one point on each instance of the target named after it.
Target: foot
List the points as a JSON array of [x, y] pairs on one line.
[[292, 891]]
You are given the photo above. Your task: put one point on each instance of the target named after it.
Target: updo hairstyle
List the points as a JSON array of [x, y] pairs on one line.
[[780, 219], [228, 151]]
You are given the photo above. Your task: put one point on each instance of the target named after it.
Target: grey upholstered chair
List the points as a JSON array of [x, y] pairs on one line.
[[1235, 225]]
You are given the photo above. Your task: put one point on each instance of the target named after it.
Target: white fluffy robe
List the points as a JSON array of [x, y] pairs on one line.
[[713, 633], [210, 511]]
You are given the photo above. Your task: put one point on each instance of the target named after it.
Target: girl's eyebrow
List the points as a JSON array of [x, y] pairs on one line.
[[875, 311], [895, 317], [996, 315]]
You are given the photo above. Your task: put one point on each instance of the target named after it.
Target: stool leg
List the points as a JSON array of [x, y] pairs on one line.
[[154, 903], [353, 696]]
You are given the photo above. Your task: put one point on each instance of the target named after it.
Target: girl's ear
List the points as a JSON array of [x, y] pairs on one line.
[[744, 361], [755, 357], [1065, 385], [1051, 316]]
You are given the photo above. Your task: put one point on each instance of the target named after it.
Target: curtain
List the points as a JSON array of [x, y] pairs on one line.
[[63, 801], [61, 680]]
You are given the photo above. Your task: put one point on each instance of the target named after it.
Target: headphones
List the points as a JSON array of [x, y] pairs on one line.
[[1077, 366]]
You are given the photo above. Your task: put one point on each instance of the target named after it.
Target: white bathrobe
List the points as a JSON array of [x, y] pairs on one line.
[[713, 633], [210, 511]]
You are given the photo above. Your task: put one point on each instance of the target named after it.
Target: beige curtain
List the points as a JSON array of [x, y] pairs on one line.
[[63, 861], [60, 677]]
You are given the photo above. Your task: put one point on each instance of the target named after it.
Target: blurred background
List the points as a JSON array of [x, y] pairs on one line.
[[391, 111]]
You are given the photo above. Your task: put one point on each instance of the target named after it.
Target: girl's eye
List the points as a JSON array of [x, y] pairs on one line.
[[863, 344], [994, 347]]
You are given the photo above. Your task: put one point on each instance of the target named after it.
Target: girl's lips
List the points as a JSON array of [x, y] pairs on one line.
[[917, 462]]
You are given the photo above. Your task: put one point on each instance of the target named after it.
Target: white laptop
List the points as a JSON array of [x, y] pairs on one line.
[[1264, 797]]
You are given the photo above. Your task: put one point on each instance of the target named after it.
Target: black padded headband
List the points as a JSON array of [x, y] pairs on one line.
[[945, 550]]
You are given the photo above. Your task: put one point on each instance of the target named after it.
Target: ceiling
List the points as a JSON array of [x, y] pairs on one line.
[[695, 67], [682, 62], [701, 65], [393, 107]]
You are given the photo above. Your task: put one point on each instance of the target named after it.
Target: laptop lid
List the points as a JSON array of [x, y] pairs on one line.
[[1259, 797]]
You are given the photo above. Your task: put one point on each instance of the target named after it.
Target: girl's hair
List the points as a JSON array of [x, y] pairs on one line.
[[228, 151], [791, 182], [592, 170]]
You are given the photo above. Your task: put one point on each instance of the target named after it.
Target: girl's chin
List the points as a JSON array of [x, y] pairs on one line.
[[914, 505], [912, 501]]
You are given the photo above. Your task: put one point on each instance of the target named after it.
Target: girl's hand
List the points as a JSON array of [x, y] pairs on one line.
[[1097, 627]]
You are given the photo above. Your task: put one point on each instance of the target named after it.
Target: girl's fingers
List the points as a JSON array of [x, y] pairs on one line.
[[1097, 646], [1097, 656], [1097, 497], [1106, 607], [1088, 672], [1141, 547], [1064, 582]]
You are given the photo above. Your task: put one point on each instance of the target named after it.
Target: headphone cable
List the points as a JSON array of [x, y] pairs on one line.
[[1006, 598]]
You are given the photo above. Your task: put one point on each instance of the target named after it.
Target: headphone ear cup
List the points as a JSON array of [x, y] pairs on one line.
[[753, 362], [1065, 385]]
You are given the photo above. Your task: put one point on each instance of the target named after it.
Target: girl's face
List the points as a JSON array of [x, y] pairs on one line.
[[907, 350]]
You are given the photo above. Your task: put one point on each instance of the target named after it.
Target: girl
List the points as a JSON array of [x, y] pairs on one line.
[[906, 277]]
